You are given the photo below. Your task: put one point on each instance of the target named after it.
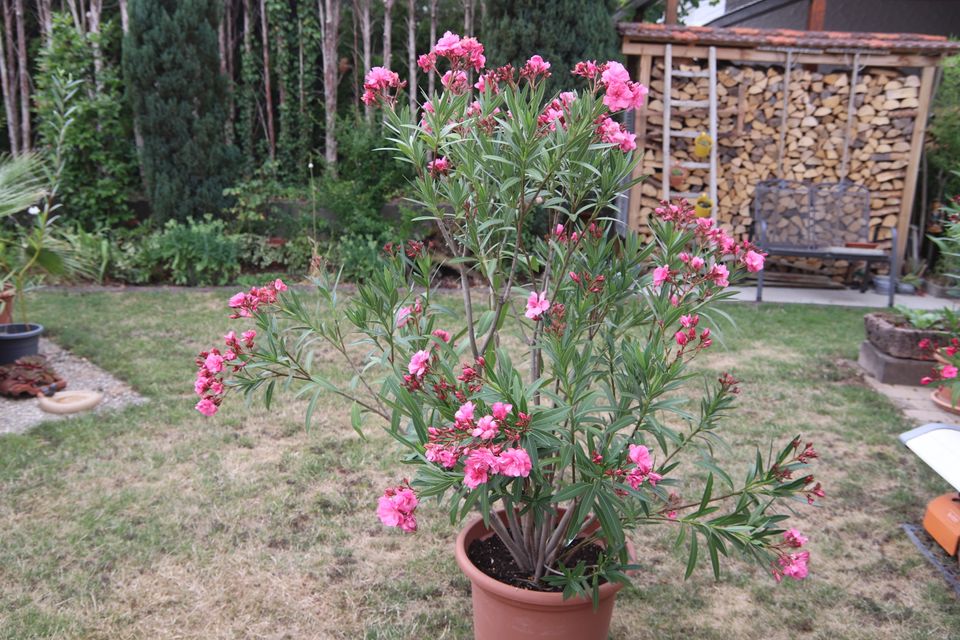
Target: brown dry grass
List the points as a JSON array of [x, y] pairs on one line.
[[159, 524]]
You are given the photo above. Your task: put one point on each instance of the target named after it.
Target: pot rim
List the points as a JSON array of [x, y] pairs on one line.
[[508, 592], [34, 330]]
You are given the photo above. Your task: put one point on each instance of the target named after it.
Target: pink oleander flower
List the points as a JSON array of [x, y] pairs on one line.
[[443, 335], [614, 73], [403, 316], [395, 509], [794, 538], [720, 275], [419, 363], [207, 407], [794, 565], [515, 463], [753, 260], [537, 305], [454, 81], [445, 456], [661, 275], [439, 167], [202, 383], [681, 338], [640, 456], [248, 337], [696, 263], [214, 363], [448, 44], [427, 62], [586, 69], [486, 428], [948, 371], [237, 300], [501, 410], [613, 132], [377, 82], [216, 387], [688, 321], [534, 67], [464, 414], [925, 380], [480, 463], [279, 285]]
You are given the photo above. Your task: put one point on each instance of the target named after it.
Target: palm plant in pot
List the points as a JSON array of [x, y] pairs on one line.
[[31, 247], [555, 403]]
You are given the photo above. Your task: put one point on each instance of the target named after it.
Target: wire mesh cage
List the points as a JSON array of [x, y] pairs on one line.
[[785, 205], [840, 213], [804, 215]]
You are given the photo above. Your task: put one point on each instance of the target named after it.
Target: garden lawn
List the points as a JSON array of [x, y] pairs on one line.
[[159, 523]]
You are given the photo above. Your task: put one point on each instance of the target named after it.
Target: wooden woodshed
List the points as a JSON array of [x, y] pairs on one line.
[[874, 141]]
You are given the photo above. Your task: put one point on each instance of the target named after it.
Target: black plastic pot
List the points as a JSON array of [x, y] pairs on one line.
[[18, 340]]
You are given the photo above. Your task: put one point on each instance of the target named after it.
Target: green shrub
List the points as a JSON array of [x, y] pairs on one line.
[[194, 253], [356, 257]]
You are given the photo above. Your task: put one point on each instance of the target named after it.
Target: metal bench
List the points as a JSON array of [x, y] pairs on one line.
[[826, 221]]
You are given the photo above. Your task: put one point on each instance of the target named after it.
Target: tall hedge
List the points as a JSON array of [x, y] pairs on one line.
[[564, 32], [172, 68]]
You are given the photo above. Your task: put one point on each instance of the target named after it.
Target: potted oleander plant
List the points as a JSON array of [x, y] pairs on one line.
[[556, 409]]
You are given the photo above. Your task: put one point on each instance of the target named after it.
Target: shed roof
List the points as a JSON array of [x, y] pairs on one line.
[[826, 41]]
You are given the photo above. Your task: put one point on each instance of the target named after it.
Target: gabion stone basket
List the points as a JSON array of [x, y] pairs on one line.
[[803, 215]]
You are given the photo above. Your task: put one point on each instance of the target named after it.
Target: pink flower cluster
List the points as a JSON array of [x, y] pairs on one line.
[[688, 334], [461, 53], [803, 456], [535, 68], [946, 371], [439, 167], [789, 564], [555, 112], [381, 84], [639, 455], [620, 93], [211, 366], [612, 132], [247, 304], [707, 264], [470, 439], [396, 508]]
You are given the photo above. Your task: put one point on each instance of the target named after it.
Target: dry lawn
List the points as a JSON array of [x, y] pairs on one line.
[[156, 523]]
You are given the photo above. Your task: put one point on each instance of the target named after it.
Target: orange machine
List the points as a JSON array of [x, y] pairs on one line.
[[939, 446]]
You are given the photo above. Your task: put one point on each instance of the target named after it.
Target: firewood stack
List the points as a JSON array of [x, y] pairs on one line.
[[749, 109]]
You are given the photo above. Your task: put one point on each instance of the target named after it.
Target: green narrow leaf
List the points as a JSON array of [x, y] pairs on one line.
[[692, 560], [356, 420], [707, 493]]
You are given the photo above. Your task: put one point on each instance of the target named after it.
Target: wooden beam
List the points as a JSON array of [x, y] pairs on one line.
[[736, 54], [913, 164], [670, 14], [634, 221], [816, 15]]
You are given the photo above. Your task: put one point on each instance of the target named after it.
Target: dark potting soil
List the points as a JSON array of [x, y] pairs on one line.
[[493, 558]]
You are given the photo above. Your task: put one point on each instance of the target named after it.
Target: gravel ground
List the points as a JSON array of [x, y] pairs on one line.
[[16, 416]]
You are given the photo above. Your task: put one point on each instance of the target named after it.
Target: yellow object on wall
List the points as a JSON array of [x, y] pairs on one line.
[[703, 206], [702, 145]]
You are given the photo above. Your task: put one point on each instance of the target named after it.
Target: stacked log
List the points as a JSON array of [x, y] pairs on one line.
[[749, 107]]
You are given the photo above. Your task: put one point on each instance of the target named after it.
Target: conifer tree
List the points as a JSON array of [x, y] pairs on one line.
[[564, 32], [172, 68]]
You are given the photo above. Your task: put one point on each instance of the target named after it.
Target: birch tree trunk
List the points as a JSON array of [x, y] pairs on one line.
[[467, 18], [432, 82], [387, 32], [362, 8], [25, 142], [330, 33], [267, 89], [93, 25], [137, 132], [8, 80], [45, 16], [124, 17], [412, 54]]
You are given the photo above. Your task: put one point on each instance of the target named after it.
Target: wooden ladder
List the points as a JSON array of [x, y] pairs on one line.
[[668, 74]]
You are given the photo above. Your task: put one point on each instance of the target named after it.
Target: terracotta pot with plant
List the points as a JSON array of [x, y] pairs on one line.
[[543, 403], [678, 177]]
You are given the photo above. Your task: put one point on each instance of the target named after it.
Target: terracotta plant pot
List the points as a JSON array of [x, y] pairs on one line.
[[941, 398], [678, 178], [6, 305], [503, 612]]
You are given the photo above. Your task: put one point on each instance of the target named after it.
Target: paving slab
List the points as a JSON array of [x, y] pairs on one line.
[[914, 402], [840, 297]]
